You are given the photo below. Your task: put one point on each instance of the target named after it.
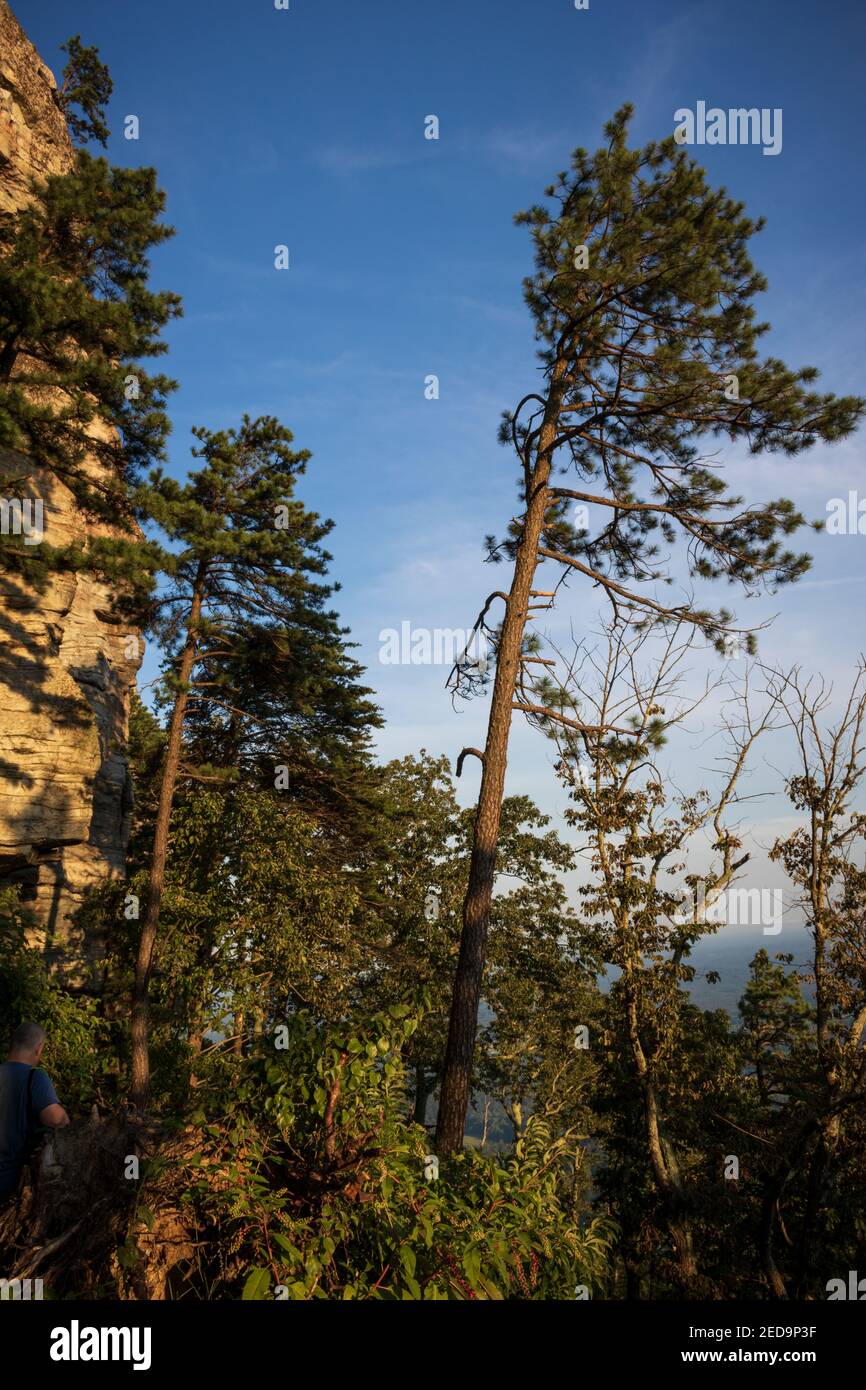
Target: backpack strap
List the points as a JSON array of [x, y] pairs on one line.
[[33, 1127], [34, 1133]]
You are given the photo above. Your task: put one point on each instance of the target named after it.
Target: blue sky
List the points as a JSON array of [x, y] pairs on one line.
[[306, 128]]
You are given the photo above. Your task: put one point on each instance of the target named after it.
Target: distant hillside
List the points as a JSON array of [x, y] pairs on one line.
[[730, 952]]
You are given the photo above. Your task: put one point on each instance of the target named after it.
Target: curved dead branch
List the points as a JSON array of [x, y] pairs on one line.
[[475, 752]]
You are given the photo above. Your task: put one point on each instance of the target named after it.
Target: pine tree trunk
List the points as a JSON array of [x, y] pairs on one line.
[[463, 1023], [144, 963], [423, 1089]]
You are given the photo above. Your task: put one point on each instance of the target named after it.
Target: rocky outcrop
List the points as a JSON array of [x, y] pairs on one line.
[[67, 666]]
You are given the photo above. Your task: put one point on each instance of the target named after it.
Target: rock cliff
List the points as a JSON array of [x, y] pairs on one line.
[[67, 666]]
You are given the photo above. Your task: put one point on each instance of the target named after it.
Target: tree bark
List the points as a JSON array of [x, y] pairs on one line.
[[663, 1160], [8, 358], [463, 1023], [423, 1089], [140, 1084]]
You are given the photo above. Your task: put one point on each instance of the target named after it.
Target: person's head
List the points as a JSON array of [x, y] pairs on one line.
[[28, 1041]]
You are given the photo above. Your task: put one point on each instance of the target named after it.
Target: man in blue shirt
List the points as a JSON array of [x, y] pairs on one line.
[[27, 1101]]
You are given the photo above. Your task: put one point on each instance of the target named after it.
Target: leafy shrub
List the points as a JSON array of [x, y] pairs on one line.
[[318, 1187], [75, 1056]]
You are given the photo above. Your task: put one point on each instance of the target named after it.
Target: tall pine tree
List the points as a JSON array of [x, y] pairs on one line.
[[254, 654], [642, 301]]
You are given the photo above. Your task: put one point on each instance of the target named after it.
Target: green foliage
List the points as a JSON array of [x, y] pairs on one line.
[[75, 1053], [318, 1184], [77, 319], [776, 1023], [146, 750], [86, 84], [252, 915], [540, 989], [300, 912], [411, 879], [643, 299], [273, 680], [261, 906]]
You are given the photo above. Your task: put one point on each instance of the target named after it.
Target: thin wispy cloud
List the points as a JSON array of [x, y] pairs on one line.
[[832, 583], [361, 159], [525, 149]]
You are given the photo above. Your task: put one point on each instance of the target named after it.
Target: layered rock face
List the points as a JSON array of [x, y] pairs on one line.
[[67, 665]]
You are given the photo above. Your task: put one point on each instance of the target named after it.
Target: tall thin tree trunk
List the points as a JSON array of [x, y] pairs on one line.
[[423, 1089], [144, 962], [463, 1023], [632, 1280], [662, 1156], [194, 1042], [486, 1124], [516, 1118], [7, 360]]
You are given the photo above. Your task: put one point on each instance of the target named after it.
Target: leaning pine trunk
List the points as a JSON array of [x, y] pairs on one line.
[[463, 1023], [144, 963]]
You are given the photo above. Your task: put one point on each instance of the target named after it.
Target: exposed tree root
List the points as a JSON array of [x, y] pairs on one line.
[[87, 1226]]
